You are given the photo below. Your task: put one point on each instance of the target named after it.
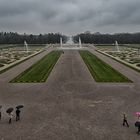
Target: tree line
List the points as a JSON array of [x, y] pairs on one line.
[[52, 38], [15, 38], [97, 38]]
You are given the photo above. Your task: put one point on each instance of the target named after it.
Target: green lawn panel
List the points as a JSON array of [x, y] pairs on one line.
[[101, 71], [40, 71]]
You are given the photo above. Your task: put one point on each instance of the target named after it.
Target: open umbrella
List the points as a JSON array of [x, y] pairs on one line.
[[9, 110], [19, 106], [137, 113]]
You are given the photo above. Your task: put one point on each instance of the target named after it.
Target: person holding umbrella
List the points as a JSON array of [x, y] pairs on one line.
[[138, 129], [0, 112], [10, 117], [137, 123], [18, 112], [10, 113]]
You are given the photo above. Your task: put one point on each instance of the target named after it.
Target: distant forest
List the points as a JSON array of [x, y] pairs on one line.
[[52, 38], [97, 38], [15, 38]]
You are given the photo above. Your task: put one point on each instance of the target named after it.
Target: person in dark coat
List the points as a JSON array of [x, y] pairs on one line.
[[138, 121], [17, 114], [0, 114], [125, 120], [138, 132]]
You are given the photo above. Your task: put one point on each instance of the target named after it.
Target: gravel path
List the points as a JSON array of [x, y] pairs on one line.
[[70, 105]]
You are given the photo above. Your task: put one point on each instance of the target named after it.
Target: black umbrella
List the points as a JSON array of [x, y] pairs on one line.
[[9, 110], [137, 124], [19, 106]]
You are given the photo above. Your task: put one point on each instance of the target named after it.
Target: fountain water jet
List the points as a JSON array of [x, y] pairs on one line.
[[26, 46], [80, 44], [61, 42], [70, 41], [1, 55], [117, 46]]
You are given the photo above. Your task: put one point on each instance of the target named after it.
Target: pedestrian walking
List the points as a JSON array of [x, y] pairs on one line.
[[138, 132], [137, 123], [17, 114], [0, 115], [18, 111], [125, 122], [10, 117], [10, 113], [0, 112]]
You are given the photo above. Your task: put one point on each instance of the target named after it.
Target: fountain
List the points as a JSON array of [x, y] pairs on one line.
[[80, 44], [26, 46], [1, 55], [70, 41], [61, 42], [70, 45], [138, 52], [117, 46]]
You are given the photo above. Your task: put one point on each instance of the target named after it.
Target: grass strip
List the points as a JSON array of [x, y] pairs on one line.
[[101, 71], [39, 71]]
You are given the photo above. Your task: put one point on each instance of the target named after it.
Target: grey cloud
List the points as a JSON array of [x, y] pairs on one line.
[[69, 16], [123, 12]]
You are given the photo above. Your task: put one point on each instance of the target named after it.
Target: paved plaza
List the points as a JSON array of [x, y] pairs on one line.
[[70, 105]]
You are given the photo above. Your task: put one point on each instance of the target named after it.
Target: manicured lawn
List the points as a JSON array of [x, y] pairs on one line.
[[40, 71], [101, 71]]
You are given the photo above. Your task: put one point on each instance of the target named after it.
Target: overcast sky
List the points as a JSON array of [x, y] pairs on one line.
[[70, 16]]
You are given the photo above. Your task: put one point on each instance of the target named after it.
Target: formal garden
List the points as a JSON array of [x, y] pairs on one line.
[[127, 54]]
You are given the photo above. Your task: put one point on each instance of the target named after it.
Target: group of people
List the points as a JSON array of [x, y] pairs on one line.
[[137, 124], [11, 115]]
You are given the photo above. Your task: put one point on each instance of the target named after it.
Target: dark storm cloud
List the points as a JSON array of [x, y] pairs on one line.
[[69, 16]]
